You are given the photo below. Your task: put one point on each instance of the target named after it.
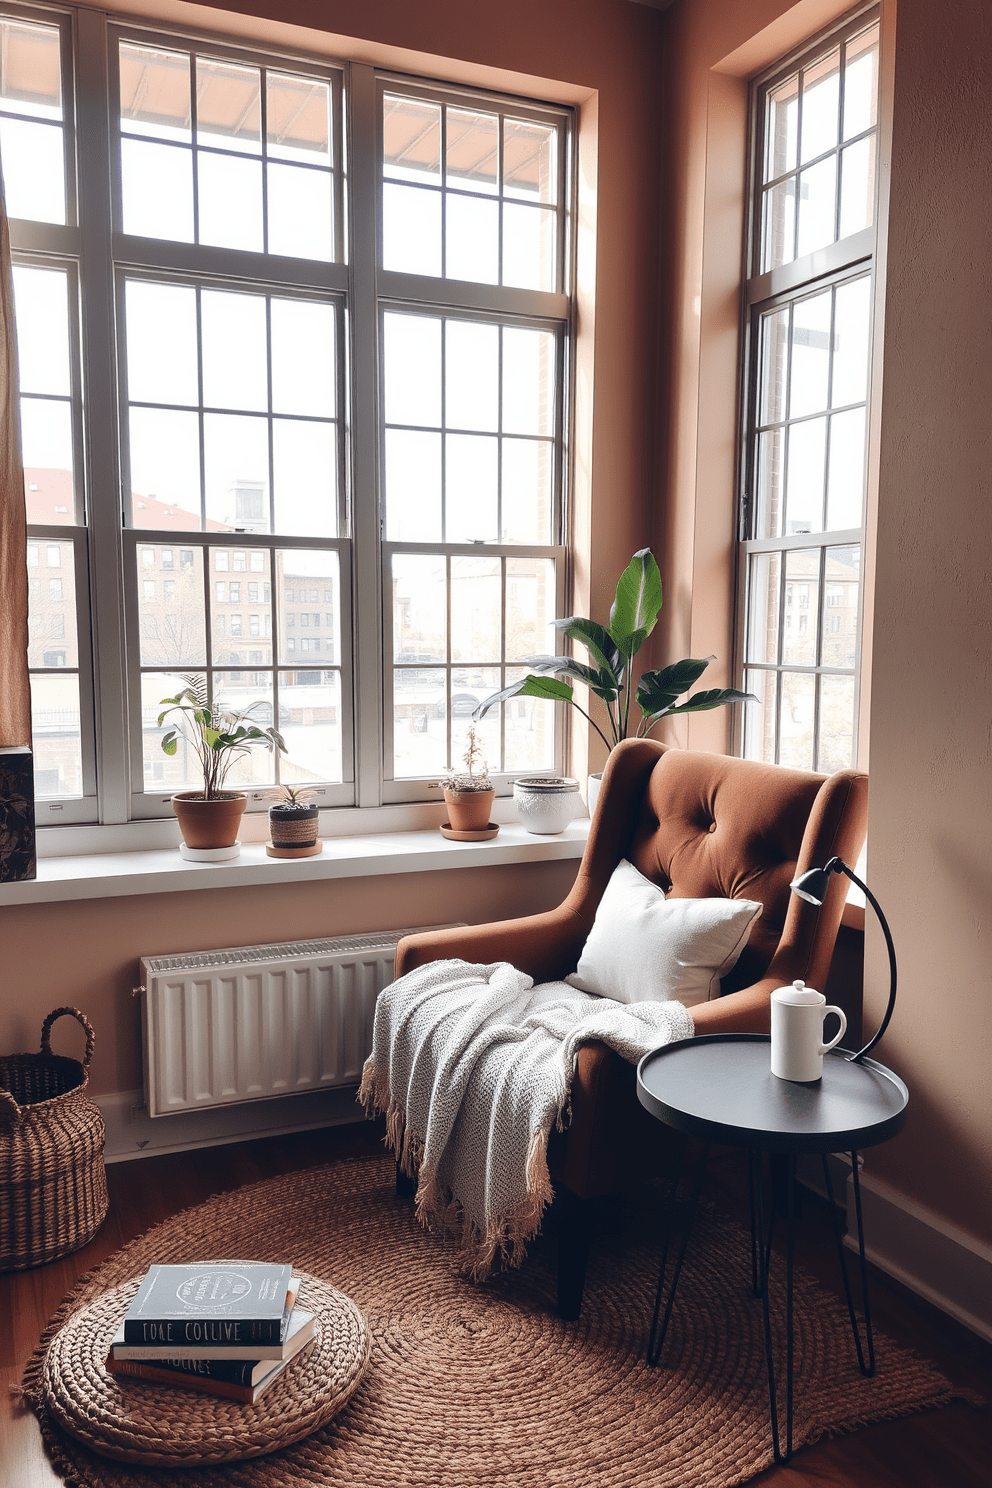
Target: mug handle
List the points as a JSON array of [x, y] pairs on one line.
[[825, 1048]]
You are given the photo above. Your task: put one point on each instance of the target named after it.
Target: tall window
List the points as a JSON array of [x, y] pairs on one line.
[[804, 461], [292, 419]]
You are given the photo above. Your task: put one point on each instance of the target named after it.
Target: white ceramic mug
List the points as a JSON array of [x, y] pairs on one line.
[[797, 1032]]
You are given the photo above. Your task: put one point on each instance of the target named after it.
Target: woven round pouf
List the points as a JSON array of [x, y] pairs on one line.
[[159, 1425]]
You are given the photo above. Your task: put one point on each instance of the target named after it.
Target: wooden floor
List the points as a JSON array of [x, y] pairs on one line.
[[950, 1448]]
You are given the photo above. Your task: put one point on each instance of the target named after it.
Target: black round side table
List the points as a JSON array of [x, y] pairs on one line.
[[720, 1087]]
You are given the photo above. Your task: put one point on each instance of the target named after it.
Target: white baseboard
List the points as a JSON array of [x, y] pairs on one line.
[[933, 1257], [131, 1132]]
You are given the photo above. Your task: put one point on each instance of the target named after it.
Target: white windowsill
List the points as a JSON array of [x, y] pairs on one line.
[[158, 870]]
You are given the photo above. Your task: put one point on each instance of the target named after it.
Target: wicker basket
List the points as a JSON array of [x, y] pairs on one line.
[[53, 1185]]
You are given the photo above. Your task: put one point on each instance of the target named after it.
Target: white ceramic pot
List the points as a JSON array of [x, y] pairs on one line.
[[592, 791], [546, 803]]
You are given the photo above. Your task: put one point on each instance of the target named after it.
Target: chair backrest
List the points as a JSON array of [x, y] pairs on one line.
[[702, 825]]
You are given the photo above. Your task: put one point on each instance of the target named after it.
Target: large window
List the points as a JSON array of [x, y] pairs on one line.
[[808, 348], [293, 344]]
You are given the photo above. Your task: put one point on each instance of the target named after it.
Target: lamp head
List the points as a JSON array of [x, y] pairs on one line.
[[812, 885]]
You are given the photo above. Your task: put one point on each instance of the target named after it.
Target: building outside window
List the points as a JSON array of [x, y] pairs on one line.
[[807, 376]]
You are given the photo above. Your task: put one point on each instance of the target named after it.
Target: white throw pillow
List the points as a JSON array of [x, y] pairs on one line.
[[646, 948]]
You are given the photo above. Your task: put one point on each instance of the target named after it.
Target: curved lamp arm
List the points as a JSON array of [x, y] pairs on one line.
[[812, 887]]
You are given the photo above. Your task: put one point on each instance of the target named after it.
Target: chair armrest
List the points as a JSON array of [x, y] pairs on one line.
[[545, 946]]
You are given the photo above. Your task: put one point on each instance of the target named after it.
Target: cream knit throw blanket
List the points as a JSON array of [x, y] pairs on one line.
[[473, 1066]]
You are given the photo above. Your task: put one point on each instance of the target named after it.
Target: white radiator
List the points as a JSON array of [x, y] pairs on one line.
[[219, 1027]]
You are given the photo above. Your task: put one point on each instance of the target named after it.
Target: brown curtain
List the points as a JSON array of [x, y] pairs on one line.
[[15, 695]]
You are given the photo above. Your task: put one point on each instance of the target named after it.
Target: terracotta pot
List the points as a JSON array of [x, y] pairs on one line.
[[468, 811], [212, 823], [293, 826]]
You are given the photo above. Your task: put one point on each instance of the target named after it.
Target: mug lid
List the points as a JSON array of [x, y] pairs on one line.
[[798, 995]]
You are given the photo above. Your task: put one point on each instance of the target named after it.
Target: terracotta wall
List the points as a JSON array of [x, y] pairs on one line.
[[605, 59], [931, 612]]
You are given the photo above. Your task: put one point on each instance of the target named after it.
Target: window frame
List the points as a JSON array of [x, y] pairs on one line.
[[764, 291]]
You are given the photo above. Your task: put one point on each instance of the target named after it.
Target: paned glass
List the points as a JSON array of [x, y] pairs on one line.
[[157, 190], [836, 731], [303, 358], [33, 157], [52, 608], [861, 83], [857, 186], [412, 355], [781, 128], [308, 583], [528, 730], [304, 462], [300, 212], [810, 369], [160, 320], [413, 486], [529, 393], [472, 151], [472, 239], [228, 106], [469, 686], [846, 477], [229, 196], [773, 362], [310, 720], [852, 334], [166, 773], [530, 161], [31, 78], [817, 204], [56, 735], [841, 585], [155, 93], [298, 118], [760, 719], [236, 471], [171, 620], [420, 627], [420, 722], [530, 608], [471, 375], [46, 451], [769, 484], [471, 488], [411, 230], [796, 719], [411, 138], [801, 607], [240, 607], [529, 235], [763, 598], [233, 332], [820, 103], [476, 623], [527, 475], [164, 459], [778, 237], [241, 689], [804, 488]]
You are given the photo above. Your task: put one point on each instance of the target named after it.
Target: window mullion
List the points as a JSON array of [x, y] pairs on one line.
[[103, 480], [365, 516]]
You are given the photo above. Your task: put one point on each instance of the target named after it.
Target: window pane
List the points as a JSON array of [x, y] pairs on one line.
[[230, 201], [303, 357], [48, 495], [802, 598], [857, 195], [163, 772], [796, 722], [528, 466], [411, 138], [469, 686], [412, 350], [160, 321], [852, 327], [41, 304], [171, 618], [310, 723], [804, 503], [298, 118], [236, 470], [846, 481], [33, 157], [529, 394], [164, 450], [530, 608], [56, 739], [817, 202], [761, 718], [764, 586], [155, 93], [472, 241], [243, 690], [820, 101], [471, 375], [420, 722], [769, 484], [528, 730], [52, 609], [778, 237], [472, 147], [772, 364], [305, 468], [781, 128], [530, 160], [810, 355], [471, 482], [308, 581], [233, 330], [476, 628], [413, 486], [228, 106], [240, 608], [836, 742], [157, 190], [46, 445], [861, 83], [300, 212], [842, 575], [31, 78], [419, 608], [529, 247], [411, 230]]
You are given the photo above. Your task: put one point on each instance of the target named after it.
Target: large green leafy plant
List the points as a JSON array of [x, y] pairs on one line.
[[612, 649], [220, 736]]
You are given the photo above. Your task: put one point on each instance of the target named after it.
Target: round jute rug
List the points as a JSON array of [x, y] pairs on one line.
[[484, 1385]]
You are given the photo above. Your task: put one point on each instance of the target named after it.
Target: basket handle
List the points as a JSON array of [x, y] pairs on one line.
[[10, 1111], [46, 1031]]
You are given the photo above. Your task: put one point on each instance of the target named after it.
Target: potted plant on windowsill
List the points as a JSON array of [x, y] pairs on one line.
[[610, 674], [293, 823], [469, 795], [209, 818]]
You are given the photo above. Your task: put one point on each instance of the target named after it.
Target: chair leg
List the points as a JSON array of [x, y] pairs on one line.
[[406, 1187], [574, 1236]]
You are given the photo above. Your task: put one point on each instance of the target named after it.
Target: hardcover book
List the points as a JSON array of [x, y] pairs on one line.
[[17, 840], [245, 1380], [202, 1305], [304, 1328]]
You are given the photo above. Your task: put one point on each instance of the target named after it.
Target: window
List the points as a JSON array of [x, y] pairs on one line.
[[234, 354], [804, 461]]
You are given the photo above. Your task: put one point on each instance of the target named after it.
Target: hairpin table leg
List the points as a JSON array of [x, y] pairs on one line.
[[656, 1339]]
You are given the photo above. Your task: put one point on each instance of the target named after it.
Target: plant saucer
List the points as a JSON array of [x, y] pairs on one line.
[[482, 834]]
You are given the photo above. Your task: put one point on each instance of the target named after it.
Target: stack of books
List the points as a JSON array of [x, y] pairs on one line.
[[222, 1329]]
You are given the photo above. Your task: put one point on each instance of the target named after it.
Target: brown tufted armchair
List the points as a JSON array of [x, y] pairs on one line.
[[699, 825]]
